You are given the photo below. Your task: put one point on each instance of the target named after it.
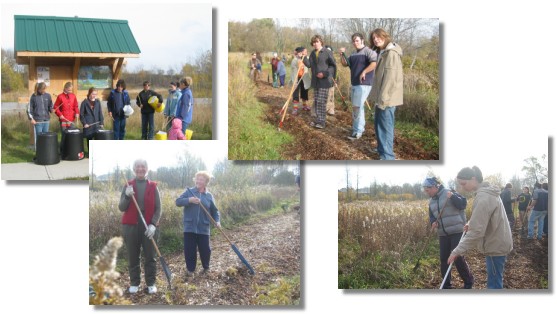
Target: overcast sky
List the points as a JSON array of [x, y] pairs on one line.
[[168, 35], [504, 154], [107, 154]]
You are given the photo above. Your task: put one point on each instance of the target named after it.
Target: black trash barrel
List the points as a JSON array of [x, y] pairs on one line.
[[104, 135], [72, 148], [47, 149]]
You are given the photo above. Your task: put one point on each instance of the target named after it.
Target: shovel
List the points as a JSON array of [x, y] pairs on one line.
[[429, 237], [234, 248], [164, 266]]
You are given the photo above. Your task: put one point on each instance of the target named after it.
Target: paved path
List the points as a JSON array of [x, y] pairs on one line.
[[30, 171]]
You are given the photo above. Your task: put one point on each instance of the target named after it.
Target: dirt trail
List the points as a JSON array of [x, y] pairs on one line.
[[526, 264], [330, 143], [272, 247]]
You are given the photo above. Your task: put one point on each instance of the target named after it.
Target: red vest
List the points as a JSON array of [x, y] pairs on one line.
[[130, 215]]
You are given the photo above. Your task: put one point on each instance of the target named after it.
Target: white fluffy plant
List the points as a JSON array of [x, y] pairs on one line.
[[103, 285]]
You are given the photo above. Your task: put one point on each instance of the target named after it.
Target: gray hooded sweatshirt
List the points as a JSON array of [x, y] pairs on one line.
[[489, 229]]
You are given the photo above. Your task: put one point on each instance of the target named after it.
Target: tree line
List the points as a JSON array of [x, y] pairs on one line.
[[534, 169], [15, 77], [419, 37], [233, 175]]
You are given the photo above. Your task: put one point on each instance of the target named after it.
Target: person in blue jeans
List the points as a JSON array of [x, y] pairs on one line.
[[488, 229], [539, 207], [117, 99], [387, 92], [197, 224], [147, 111], [184, 111], [40, 107], [362, 64]]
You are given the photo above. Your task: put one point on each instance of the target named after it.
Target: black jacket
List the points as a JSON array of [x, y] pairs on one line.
[[90, 116], [143, 98], [324, 63]]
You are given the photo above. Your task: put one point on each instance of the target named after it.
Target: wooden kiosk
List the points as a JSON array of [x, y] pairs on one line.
[[87, 52]]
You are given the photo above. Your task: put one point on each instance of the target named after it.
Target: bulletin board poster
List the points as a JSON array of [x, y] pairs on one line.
[[94, 76], [43, 75]]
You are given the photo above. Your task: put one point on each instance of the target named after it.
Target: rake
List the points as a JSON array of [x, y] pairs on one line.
[[429, 237], [234, 248], [285, 106], [164, 266], [450, 266]]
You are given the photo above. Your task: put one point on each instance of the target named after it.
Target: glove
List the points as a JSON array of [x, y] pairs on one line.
[[129, 191], [150, 232]]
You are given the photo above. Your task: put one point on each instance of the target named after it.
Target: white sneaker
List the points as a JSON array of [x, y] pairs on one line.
[[133, 289], [152, 289]]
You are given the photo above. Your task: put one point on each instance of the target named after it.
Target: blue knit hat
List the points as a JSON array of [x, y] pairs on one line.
[[430, 182]]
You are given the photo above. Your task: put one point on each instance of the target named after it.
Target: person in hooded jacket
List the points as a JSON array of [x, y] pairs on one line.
[[172, 100], [387, 91], [446, 214], [175, 132], [117, 99], [40, 107], [488, 230], [184, 111], [91, 115]]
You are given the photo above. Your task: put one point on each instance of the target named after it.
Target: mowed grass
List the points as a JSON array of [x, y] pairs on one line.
[[16, 146], [249, 136]]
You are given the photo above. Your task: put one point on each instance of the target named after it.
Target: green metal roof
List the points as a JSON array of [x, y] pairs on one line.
[[73, 34]]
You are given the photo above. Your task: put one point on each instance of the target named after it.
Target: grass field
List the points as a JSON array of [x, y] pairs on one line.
[[15, 130]]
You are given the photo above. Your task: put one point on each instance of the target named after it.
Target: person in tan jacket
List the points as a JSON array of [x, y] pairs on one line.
[[387, 90], [488, 230]]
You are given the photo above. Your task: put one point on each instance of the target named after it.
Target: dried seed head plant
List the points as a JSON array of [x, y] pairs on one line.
[[103, 287]]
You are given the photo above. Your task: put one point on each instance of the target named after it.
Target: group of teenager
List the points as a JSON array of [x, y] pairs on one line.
[[375, 74], [488, 230], [178, 110], [197, 203]]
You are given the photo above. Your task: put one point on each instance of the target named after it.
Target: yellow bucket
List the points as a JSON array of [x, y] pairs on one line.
[[189, 133], [161, 135], [160, 107]]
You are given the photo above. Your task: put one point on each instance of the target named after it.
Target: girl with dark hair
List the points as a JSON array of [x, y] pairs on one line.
[[91, 115], [488, 229]]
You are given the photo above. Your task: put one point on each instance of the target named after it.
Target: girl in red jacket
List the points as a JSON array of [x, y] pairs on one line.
[[66, 109]]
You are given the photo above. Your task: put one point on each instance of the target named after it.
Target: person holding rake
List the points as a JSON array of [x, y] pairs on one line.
[[488, 229], [136, 236], [446, 214]]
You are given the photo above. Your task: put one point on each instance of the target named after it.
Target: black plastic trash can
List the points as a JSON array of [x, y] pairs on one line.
[[47, 149], [72, 148], [104, 135]]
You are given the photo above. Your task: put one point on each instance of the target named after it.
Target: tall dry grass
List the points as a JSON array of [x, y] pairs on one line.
[[383, 226], [234, 207]]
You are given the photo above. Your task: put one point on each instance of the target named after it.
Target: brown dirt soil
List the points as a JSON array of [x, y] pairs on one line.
[[272, 247], [525, 266], [330, 143]]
